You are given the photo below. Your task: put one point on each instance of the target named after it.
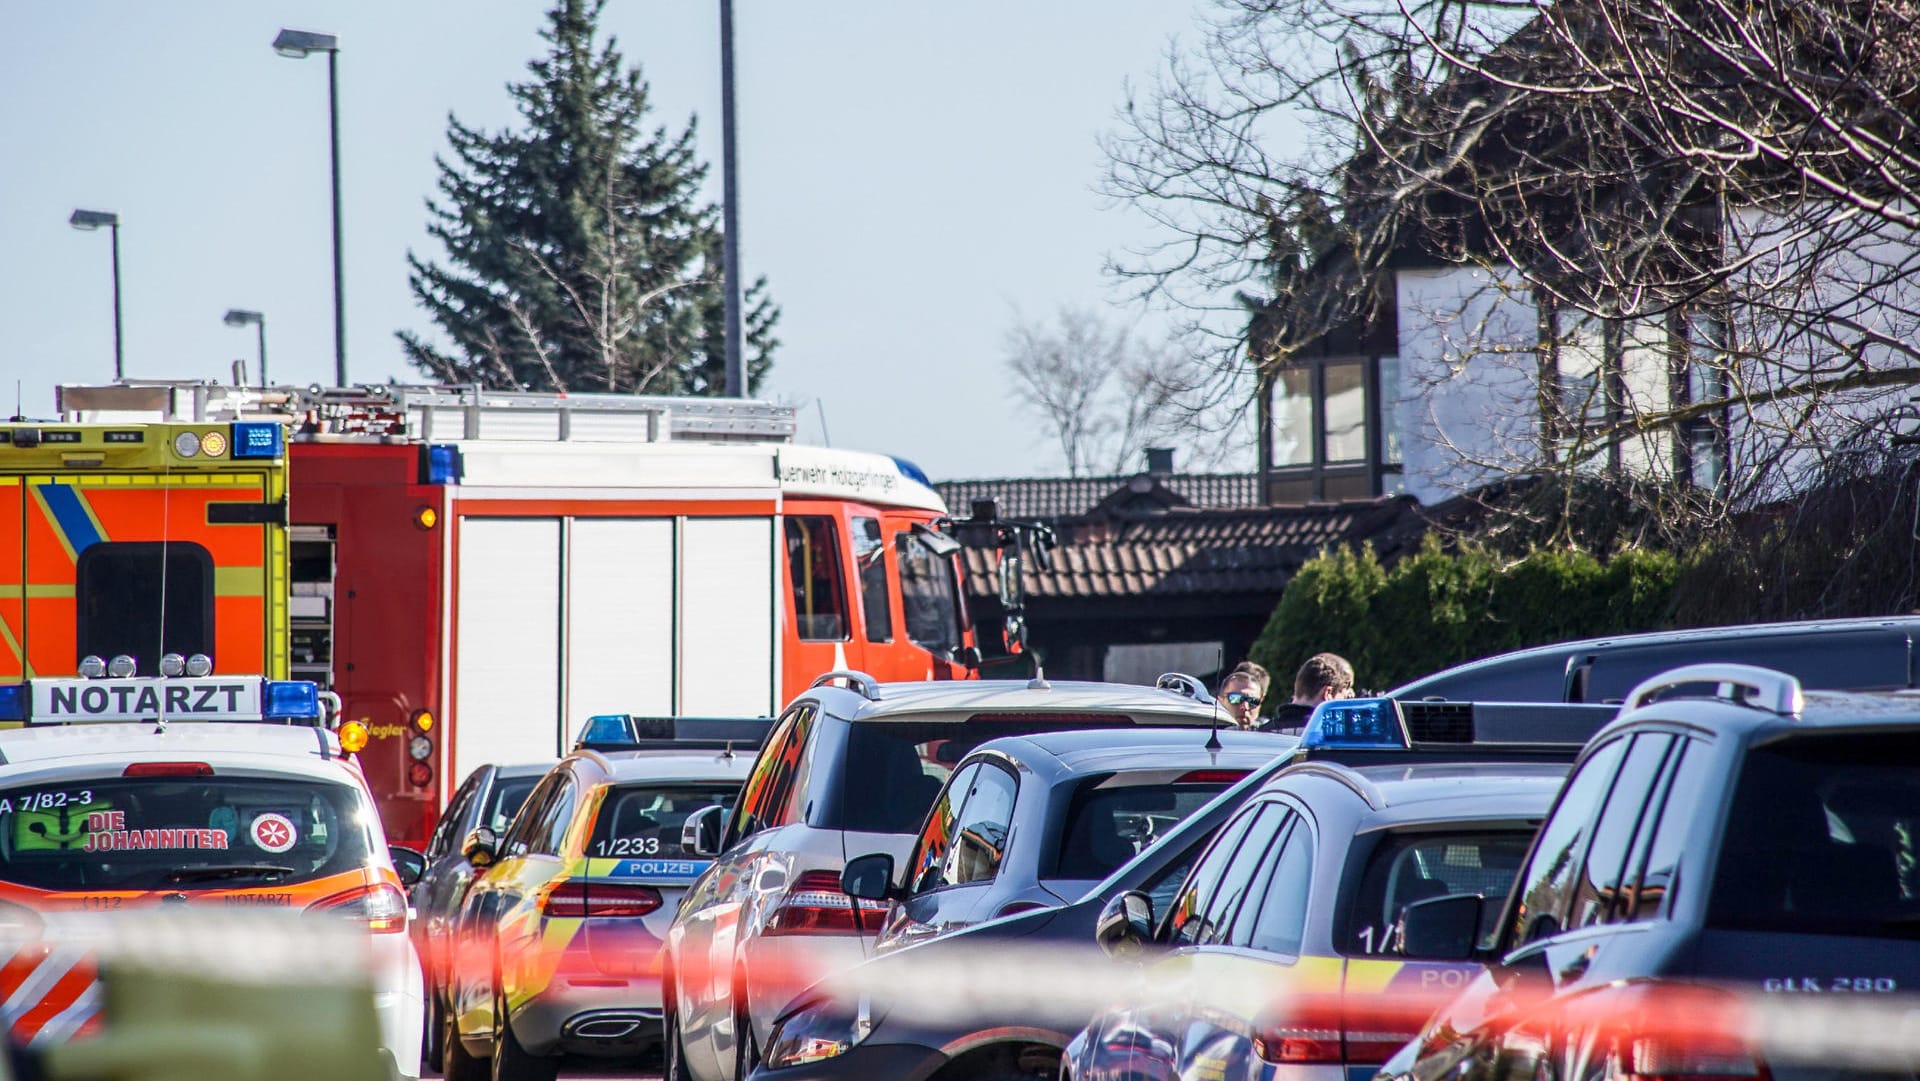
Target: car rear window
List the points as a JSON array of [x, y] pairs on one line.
[[1110, 821], [1821, 839], [892, 770], [645, 819], [1415, 866], [181, 833], [505, 800]]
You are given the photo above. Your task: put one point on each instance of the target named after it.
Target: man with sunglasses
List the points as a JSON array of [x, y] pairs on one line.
[[1324, 676], [1242, 692]]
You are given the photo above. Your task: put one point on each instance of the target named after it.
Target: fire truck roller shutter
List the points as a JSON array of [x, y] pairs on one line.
[[728, 659], [507, 685], [619, 618]]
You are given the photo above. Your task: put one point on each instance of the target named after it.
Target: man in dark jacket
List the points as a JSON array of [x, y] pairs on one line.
[[1324, 676]]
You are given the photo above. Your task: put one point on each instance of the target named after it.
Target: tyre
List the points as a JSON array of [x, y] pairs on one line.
[[511, 1062], [746, 1050], [433, 1031], [456, 1064], [673, 1053]]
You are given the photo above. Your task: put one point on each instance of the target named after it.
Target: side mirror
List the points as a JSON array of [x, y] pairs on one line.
[[869, 877], [700, 833], [409, 863], [1125, 926], [481, 847], [1442, 928]]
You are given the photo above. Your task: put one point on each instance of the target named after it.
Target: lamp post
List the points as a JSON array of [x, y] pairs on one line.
[[89, 220], [240, 318], [299, 44], [730, 210]]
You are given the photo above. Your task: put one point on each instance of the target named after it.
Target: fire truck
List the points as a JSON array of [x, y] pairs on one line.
[[133, 540], [477, 573]]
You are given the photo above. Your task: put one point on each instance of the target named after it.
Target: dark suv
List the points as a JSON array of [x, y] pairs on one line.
[[1729, 835]]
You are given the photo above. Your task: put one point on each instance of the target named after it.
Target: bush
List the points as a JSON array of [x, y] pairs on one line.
[[1437, 608]]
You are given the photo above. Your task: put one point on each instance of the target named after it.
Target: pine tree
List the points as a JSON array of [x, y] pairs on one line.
[[579, 255]]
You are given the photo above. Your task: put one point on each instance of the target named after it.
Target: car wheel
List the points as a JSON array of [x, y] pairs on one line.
[[512, 1062], [456, 1064], [746, 1051], [433, 1031], [673, 1053]]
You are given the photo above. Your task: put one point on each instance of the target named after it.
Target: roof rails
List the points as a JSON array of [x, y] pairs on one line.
[[627, 732], [1776, 692], [1185, 684], [386, 412], [859, 683]]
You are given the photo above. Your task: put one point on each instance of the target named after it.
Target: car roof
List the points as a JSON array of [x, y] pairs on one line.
[[522, 769], [1652, 638], [663, 764], [1085, 751], [297, 749], [1411, 793], [1821, 710], [960, 699]]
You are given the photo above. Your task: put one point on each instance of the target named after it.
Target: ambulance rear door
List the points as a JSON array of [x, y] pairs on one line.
[[146, 561]]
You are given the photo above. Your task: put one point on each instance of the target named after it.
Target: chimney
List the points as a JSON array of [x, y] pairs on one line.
[[1160, 461]]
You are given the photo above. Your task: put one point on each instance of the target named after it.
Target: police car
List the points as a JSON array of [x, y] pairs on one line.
[[1733, 858], [556, 947], [202, 791]]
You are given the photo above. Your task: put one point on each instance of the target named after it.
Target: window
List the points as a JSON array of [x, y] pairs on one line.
[[1163, 885], [550, 831], [504, 802], [813, 567], [532, 816], [443, 839], [1230, 897], [927, 595], [1200, 902], [870, 556], [764, 797], [639, 820], [1820, 839], [1560, 849], [1331, 432], [1610, 856], [1407, 867], [1283, 896], [117, 590], [1673, 815], [1107, 825], [936, 837], [980, 833]]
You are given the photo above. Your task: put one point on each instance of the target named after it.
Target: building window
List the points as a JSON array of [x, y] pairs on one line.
[[1332, 434]]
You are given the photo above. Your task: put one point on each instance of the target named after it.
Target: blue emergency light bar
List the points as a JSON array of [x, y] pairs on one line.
[[626, 731], [1369, 724], [203, 698]]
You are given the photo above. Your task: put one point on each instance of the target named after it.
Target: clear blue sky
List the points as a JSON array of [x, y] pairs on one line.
[[911, 173]]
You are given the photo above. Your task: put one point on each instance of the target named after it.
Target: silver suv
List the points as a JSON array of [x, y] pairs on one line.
[[852, 767]]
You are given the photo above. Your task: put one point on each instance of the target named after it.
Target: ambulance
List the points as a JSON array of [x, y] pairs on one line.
[[476, 573], [201, 792]]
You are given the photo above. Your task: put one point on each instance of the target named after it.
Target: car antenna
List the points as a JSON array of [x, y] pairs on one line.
[[1213, 730], [727, 751]]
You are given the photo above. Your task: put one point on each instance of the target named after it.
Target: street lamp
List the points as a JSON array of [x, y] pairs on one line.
[[238, 318], [89, 220], [299, 44]]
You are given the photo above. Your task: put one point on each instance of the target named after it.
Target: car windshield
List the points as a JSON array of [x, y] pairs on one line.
[[1111, 821], [505, 800], [1409, 867], [645, 819], [894, 769], [180, 833], [1821, 839]]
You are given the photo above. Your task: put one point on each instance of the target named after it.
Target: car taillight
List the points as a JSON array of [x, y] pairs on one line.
[[1365, 1029], [168, 769], [582, 900], [1211, 776], [815, 905], [1301, 1032], [381, 906]]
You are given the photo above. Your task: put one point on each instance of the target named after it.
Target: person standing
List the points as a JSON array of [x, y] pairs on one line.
[[1325, 676], [1242, 692]]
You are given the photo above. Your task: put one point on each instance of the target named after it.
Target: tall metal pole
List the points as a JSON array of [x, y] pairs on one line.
[[262, 326], [119, 361], [339, 288], [730, 213]]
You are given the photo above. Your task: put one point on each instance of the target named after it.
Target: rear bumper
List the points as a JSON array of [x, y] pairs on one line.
[[780, 967], [598, 1020]]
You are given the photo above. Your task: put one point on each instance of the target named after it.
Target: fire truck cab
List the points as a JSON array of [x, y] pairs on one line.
[[476, 573]]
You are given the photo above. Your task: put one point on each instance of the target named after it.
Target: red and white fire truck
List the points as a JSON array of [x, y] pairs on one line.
[[476, 573]]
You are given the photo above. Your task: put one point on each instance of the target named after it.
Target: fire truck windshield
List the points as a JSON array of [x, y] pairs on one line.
[[179, 833]]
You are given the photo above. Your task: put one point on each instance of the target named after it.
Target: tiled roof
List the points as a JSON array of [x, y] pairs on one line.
[[1054, 498], [1196, 550]]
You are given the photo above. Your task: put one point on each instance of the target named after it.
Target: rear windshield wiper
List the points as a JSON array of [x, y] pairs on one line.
[[227, 871]]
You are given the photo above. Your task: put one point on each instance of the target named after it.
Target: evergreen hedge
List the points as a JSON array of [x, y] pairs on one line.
[[1437, 608]]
